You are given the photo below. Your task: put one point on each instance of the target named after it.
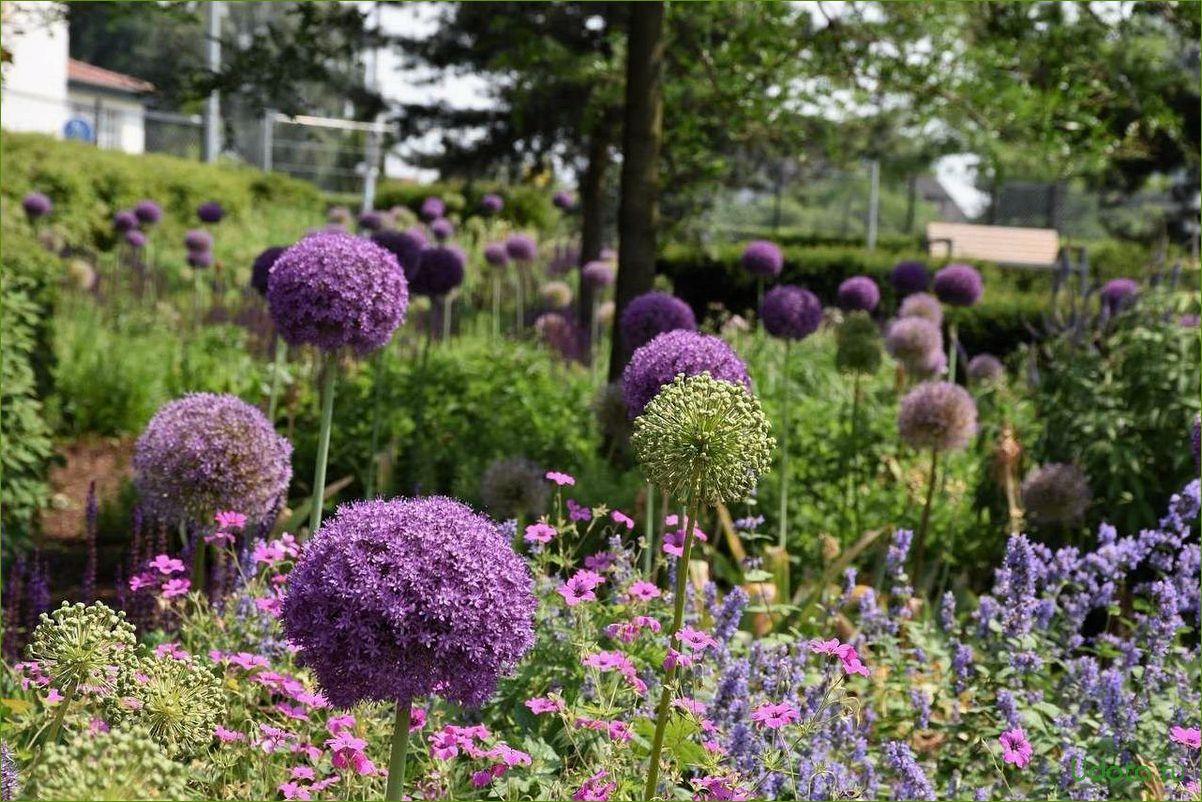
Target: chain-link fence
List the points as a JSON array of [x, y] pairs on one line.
[[175, 134]]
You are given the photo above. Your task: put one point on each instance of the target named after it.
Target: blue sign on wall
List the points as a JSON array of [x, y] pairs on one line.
[[78, 128]]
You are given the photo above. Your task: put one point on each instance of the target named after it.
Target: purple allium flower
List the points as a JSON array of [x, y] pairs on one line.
[[392, 600], [135, 238], [564, 201], [440, 270], [495, 255], [651, 314], [790, 312], [124, 220], [915, 342], [442, 229], [210, 212], [597, 274], [985, 369], [200, 259], [148, 212], [1056, 493], [677, 352], [261, 269], [762, 258], [406, 246], [36, 205], [937, 415], [910, 277], [958, 285], [923, 305], [1118, 294], [204, 453], [432, 209], [521, 248], [858, 293], [333, 290], [491, 204], [371, 221], [198, 240]]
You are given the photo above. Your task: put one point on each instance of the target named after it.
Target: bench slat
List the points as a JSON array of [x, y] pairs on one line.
[[1003, 244]]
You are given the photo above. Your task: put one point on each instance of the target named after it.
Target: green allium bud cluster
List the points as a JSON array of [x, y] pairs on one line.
[[179, 702], [124, 763], [858, 344], [705, 436], [83, 648]]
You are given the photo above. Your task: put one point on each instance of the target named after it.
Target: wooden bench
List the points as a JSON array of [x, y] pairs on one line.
[[1006, 246]]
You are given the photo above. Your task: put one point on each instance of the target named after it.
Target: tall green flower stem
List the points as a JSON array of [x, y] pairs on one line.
[[446, 317], [649, 553], [853, 476], [400, 750], [783, 539], [496, 304], [329, 376], [665, 697], [953, 350], [277, 369], [921, 540], [518, 275], [196, 291], [377, 369]]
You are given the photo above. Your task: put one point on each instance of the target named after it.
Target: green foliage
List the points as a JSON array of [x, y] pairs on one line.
[[525, 206]]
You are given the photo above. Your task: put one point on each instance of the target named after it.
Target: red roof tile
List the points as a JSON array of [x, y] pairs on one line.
[[79, 72]]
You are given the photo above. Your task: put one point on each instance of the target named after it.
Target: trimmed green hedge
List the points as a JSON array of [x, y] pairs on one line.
[[525, 206]]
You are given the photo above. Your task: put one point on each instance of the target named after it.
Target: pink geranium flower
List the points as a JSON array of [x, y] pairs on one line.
[[579, 588], [230, 520], [176, 587], [1016, 748], [539, 533], [1190, 737], [775, 716], [824, 646], [594, 789], [561, 479], [622, 518], [677, 659], [166, 565], [294, 790], [220, 538], [144, 580], [690, 706], [695, 639], [674, 541], [851, 660], [643, 591], [171, 650], [544, 704]]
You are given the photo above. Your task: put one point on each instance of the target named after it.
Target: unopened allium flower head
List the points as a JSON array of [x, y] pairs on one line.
[[260, 271], [148, 212], [124, 220], [563, 201], [858, 293], [495, 255], [432, 209], [790, 312], [1119, 293], [858, 344], [339, 215], [210, 212], [204, 453], [392, 600], [491, 204], [442, 229], [514, 486], [179, 702], [199, 259], [36, 205], [923, 305], [77, 646], [704, 436], [1056, 493], [597, 273], [521, 248], [556, 294], [135, 238], [938, 416], [986, 369], [653, 313], [122, 763], [406, 246], [913, 341], [910, 277], [81, 274], [440, 270], [605, 313], [198, 240], [762, 258], [332, 290], [958, 285], [678, 353]]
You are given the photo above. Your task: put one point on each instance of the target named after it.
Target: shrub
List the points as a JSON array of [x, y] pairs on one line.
[[525, 206]]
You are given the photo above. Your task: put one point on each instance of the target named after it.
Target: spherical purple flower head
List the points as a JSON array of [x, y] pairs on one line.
[[913, 341], [1056, 493], [148, 212], [763, 258], [790, 312], [858, 294], [910, 277], [491, 203], [985, 369], [653, 313], [261, 269], [564, 201], [371, 221], [442, 229], [135, 238], [923, 305], [597, 274], [495, 255], [674, 353], [406, 246], [198, 240], [938, 416], [392, 600], [36, 205], [958, 285], [124, 220], [204, 453], [200, 259], [432, 209], [1118, 294], [210, 212], [333, 290], [521, 248], [440, 270]]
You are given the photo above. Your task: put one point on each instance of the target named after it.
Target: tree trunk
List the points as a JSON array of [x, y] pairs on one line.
[[638, 210], [592, 211]]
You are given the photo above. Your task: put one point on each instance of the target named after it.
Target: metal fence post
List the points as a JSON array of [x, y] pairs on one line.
[[874, 199], [212, 140], [268, 134], [371, 161]]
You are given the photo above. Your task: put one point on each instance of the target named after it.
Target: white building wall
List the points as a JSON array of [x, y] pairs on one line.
[[34, 95], [121, 124]]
